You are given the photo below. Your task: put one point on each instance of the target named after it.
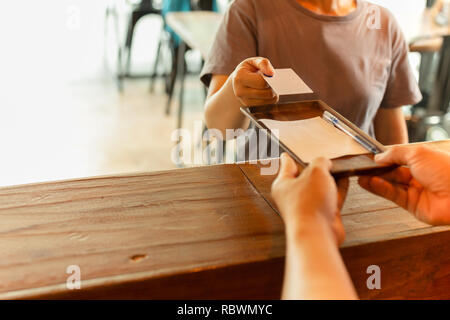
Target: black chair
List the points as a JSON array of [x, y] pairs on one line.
[[138, 11], [179, 71], [144, 8], [165, 39], [206, 5], [179, 63]]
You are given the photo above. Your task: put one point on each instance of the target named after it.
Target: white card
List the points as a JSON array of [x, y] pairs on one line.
[[287, 84]]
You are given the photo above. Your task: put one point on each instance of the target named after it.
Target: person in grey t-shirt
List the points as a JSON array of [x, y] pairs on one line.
[[351, 53]]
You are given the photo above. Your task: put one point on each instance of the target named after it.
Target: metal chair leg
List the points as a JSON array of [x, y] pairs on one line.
[[129, 41], [439, 100], [170, 81], [112, 11], [182, 76], [155, 65]]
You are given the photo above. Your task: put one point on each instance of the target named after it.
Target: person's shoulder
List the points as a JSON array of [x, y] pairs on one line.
[[252, 5], [252, 10], [387, 19], [241, 10], [242, 5], [258, 9]]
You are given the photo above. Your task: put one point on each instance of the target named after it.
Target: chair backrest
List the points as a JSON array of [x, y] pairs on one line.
[[430, 3], [150, 6], [202, 5]]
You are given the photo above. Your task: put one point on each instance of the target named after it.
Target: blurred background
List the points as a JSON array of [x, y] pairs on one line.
[[93, 87]]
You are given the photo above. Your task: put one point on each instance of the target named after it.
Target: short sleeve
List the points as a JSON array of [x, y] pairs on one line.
[[402, 88], [235, 41]]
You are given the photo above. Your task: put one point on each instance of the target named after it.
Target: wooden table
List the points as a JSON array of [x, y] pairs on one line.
[[207, 232], [426, 45]]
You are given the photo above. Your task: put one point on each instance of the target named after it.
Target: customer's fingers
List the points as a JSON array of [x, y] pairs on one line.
[[251, 79], [338, 229], [318, 171], [397, 154], [397, 193], [251, 93], [342, 186], [320, 163], [262, 64], [403, 155], [258, 102], [288, 167], [401, 175]]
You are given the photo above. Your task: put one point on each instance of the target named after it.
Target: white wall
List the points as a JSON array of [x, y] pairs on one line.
[[407, 12]]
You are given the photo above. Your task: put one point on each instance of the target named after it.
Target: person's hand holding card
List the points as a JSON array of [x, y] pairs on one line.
[[288, 86], [249, 85]]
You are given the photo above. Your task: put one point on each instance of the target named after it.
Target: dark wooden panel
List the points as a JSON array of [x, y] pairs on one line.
[[342, 166], [179, 221], [413, 267], [258, 280]]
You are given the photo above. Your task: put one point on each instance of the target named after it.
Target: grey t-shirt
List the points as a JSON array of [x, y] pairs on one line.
[[351, 64]]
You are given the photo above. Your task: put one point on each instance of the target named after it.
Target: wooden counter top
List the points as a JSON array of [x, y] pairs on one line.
[[207, 232]]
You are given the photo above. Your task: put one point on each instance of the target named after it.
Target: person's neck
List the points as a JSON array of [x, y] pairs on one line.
[[329, 7]]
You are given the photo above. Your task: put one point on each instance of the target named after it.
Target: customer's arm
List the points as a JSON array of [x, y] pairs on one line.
[[244, 87], [390, 126], [422, 188], [309, 205]]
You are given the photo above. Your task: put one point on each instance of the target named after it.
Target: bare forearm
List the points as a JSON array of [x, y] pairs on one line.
[[223, 110], [390, 126], [394, 135], [314, 267]]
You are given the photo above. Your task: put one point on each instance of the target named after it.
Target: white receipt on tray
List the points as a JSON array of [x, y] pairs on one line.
[[314, 137]]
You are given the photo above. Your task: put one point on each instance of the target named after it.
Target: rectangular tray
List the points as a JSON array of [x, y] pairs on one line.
[[343, 166]]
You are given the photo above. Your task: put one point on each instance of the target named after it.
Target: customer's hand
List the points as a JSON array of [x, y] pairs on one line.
[[311, 197], [423, 188], [248, 84]]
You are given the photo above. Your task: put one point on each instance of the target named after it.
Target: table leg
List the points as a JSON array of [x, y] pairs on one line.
[[426, 71], [155, 65], [439, 101], [182, 75]]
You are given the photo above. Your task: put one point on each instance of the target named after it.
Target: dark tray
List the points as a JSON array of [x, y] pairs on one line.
[[343, 166]]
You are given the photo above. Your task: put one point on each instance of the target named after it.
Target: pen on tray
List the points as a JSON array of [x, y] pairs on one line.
[[341, 126]]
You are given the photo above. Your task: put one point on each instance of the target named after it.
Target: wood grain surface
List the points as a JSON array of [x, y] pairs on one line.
[[175, 222], [208, 232]]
